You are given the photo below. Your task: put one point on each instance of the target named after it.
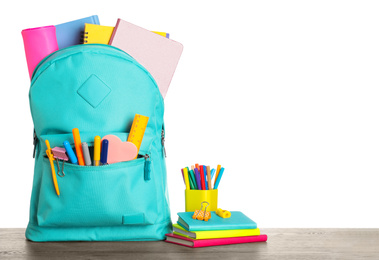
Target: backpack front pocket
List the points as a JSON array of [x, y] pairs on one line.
[[109, 195]]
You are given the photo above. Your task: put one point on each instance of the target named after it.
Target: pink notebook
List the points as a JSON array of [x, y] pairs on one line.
[[184, 241], [159, 55]]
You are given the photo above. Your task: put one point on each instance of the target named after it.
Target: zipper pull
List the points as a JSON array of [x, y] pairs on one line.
[[147, 167], [163, 140], [35, 140]]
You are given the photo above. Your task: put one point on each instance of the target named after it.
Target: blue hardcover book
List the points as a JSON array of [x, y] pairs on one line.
[[71, 33], [238, 220]]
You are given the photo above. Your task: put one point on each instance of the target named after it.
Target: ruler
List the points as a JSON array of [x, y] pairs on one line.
[[138, 130]]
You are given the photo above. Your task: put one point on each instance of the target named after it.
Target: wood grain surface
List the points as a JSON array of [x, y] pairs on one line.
[[281, 244]]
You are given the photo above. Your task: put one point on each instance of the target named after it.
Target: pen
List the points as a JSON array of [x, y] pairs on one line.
[[86, 155], [219, 178], [209, 178], [78, 146], [51, 160], [70, 152], [104, 152], [96, 150]]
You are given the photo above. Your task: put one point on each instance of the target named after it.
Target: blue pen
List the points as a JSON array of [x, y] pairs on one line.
[[219, 178], [70, 152], [205, 176], [104, 152]]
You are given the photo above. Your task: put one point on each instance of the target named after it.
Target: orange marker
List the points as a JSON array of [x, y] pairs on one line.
[[197, 166], [217, 172], [78, 146]]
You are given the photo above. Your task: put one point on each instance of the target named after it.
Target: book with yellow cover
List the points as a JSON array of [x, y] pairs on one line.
[[94, 33], [179, 230]]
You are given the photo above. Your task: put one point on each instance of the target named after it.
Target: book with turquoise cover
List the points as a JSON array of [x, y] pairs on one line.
[[71, 33], [238, 220], [209, 234]]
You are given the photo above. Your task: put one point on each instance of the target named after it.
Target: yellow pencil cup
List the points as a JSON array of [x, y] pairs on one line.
[[194, 198]]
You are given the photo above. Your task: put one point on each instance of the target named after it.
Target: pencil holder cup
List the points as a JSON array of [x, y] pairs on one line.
[[194, 198]]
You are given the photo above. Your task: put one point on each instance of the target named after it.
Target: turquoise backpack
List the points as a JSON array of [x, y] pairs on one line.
[[97, 89]]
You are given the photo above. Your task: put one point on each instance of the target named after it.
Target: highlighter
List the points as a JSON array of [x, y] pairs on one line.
[[70, 152], [96, 151], [78, 146], [104, 152]]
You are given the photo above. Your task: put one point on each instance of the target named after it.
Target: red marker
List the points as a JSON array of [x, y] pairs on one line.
[[202, 178]]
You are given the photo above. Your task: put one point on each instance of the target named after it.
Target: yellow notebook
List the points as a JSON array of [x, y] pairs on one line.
[[94, 33], [178, 230]]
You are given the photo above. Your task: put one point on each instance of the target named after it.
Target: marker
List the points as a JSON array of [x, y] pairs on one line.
[[212, 174], [191, 179], [70, 152], [186, 179], [202, 178], [198, 180], [209, 177], [192, 174], [217, 173], [51, 160], [78, 146], [96, 150], [104, 152], [183, 177], [86, 155], [205, 176], [219, 178]]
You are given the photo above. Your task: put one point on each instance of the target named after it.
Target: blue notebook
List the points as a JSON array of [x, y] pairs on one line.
[[71, 33], [238, 220]]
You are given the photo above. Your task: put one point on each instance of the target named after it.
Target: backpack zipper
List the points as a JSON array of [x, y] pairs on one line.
[[35, 140], [163, 140]]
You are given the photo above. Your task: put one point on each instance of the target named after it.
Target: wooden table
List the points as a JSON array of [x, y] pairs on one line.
[[282, 244]]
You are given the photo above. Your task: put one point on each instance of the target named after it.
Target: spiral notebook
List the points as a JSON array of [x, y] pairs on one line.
[[94, 33]]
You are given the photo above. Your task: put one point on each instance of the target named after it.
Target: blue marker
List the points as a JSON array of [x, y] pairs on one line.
[[212, 173], [219, 178], [104, 152], [205, 177], [70, 152]]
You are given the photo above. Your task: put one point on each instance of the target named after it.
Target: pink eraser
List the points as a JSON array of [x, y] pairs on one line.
[[119, 151], [38, 43]]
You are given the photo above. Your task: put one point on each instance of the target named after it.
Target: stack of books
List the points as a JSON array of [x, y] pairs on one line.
[[215, 232]]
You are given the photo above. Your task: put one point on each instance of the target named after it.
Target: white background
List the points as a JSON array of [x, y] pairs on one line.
[[283, 94]]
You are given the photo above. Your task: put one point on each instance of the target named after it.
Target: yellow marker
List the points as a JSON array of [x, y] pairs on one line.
[[138, 130], [186, 180], [217, 172], [209, 178], [51, 159], [96, 150]]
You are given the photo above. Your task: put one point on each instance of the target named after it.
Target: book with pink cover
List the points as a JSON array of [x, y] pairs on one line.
[[159, 55], [184, 241]]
